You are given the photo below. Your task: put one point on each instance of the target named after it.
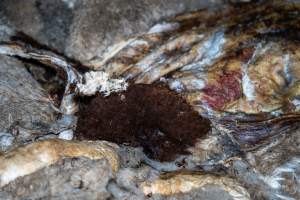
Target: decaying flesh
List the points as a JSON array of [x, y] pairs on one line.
[[27, 159], [76, 82], [149, 116], [237, 66], [154, 108]]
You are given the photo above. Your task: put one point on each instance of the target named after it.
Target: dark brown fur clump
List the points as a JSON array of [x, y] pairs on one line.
[[151, 116]]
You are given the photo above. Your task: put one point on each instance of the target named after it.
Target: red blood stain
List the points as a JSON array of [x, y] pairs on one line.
[[226, 89]]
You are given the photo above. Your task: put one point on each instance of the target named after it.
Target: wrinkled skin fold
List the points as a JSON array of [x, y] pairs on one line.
[[237, 64], [239, 67], [221, 62]]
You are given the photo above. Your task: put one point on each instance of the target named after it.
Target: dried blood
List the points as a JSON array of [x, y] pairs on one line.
[[226, 89], [151, 116]]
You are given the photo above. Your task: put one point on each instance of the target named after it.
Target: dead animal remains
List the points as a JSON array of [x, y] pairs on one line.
[[217, 91], [150, 116]]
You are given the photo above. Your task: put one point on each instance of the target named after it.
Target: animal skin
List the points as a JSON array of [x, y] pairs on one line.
[[182, 183], [27, 159]]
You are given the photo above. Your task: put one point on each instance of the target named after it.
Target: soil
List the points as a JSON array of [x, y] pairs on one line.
[[151, 116]]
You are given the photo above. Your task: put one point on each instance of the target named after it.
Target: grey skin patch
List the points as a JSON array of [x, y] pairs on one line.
[[55, 17]]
